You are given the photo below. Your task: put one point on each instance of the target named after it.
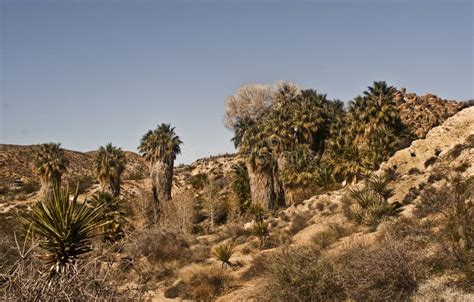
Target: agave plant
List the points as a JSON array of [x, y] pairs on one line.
[[65, 228], [223, 253]]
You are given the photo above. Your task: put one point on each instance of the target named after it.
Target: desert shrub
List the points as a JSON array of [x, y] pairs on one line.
[[233, 230], [301, 275], [453, 201], [28, 188], [417, 231], [160, 245], [205, 283], [28, 279], [413, 171], [137, 174], [436, 175], [387, 271], [299, 222], [199, 181], [178, 214], [215, 204], [330, 235], [258, 266], [462, 167], [430, 161], [410, 196]]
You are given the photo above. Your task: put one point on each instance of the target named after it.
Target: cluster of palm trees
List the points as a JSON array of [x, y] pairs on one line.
[[66, 226], [159, 147], [298, 137]]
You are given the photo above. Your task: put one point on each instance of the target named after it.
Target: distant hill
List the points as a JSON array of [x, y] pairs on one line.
[[17, 163]]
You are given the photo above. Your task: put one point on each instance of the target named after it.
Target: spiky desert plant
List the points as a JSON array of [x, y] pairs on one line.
[[260, 229], [258, 212], [223, 253], [369, 207], [50, 163], [113, 213], [110, 163], [65, 228], [160, 148]]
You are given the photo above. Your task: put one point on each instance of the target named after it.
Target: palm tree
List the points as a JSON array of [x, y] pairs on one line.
[[50, 163], [110, 163], [65, 228], [160, 147]]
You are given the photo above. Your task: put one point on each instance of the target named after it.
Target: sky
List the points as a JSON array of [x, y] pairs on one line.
[[85, 73]]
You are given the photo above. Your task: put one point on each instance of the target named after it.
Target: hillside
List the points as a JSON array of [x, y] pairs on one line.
[[315, 238], [17, 163]]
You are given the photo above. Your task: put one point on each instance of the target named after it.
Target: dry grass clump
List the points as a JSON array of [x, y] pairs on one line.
[[453, 204], [299, 222], [331, 234], [201, 283], [160, 245], [388, 271], [301, 275], [28, 280]]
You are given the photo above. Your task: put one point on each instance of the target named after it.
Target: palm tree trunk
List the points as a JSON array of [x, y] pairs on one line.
[[262, 190], [46, 187], [162, 181]]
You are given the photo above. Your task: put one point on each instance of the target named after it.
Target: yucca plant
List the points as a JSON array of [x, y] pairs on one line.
[[223, 253], [260, 229], [369, 207], [65, 228], [258, 212], [379, 183]]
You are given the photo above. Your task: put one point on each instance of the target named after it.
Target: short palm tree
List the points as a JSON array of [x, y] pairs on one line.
[[160, 148], [50, 163], [110, 163], [65, 228]]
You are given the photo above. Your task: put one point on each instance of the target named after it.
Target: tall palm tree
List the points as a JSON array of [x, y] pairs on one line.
[[160, 148], [110, 163], [50, 163]]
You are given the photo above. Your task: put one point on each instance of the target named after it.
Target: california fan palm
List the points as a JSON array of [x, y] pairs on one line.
[[160, 148], [50, 163], [110, 163]]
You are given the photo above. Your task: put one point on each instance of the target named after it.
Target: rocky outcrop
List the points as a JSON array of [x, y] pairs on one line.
[[422, 113]]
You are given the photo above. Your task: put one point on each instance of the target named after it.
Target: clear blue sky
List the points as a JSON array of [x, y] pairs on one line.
[[84, 73]]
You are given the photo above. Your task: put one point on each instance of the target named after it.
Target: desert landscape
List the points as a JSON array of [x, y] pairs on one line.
[[237, 150], [322, 202]]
